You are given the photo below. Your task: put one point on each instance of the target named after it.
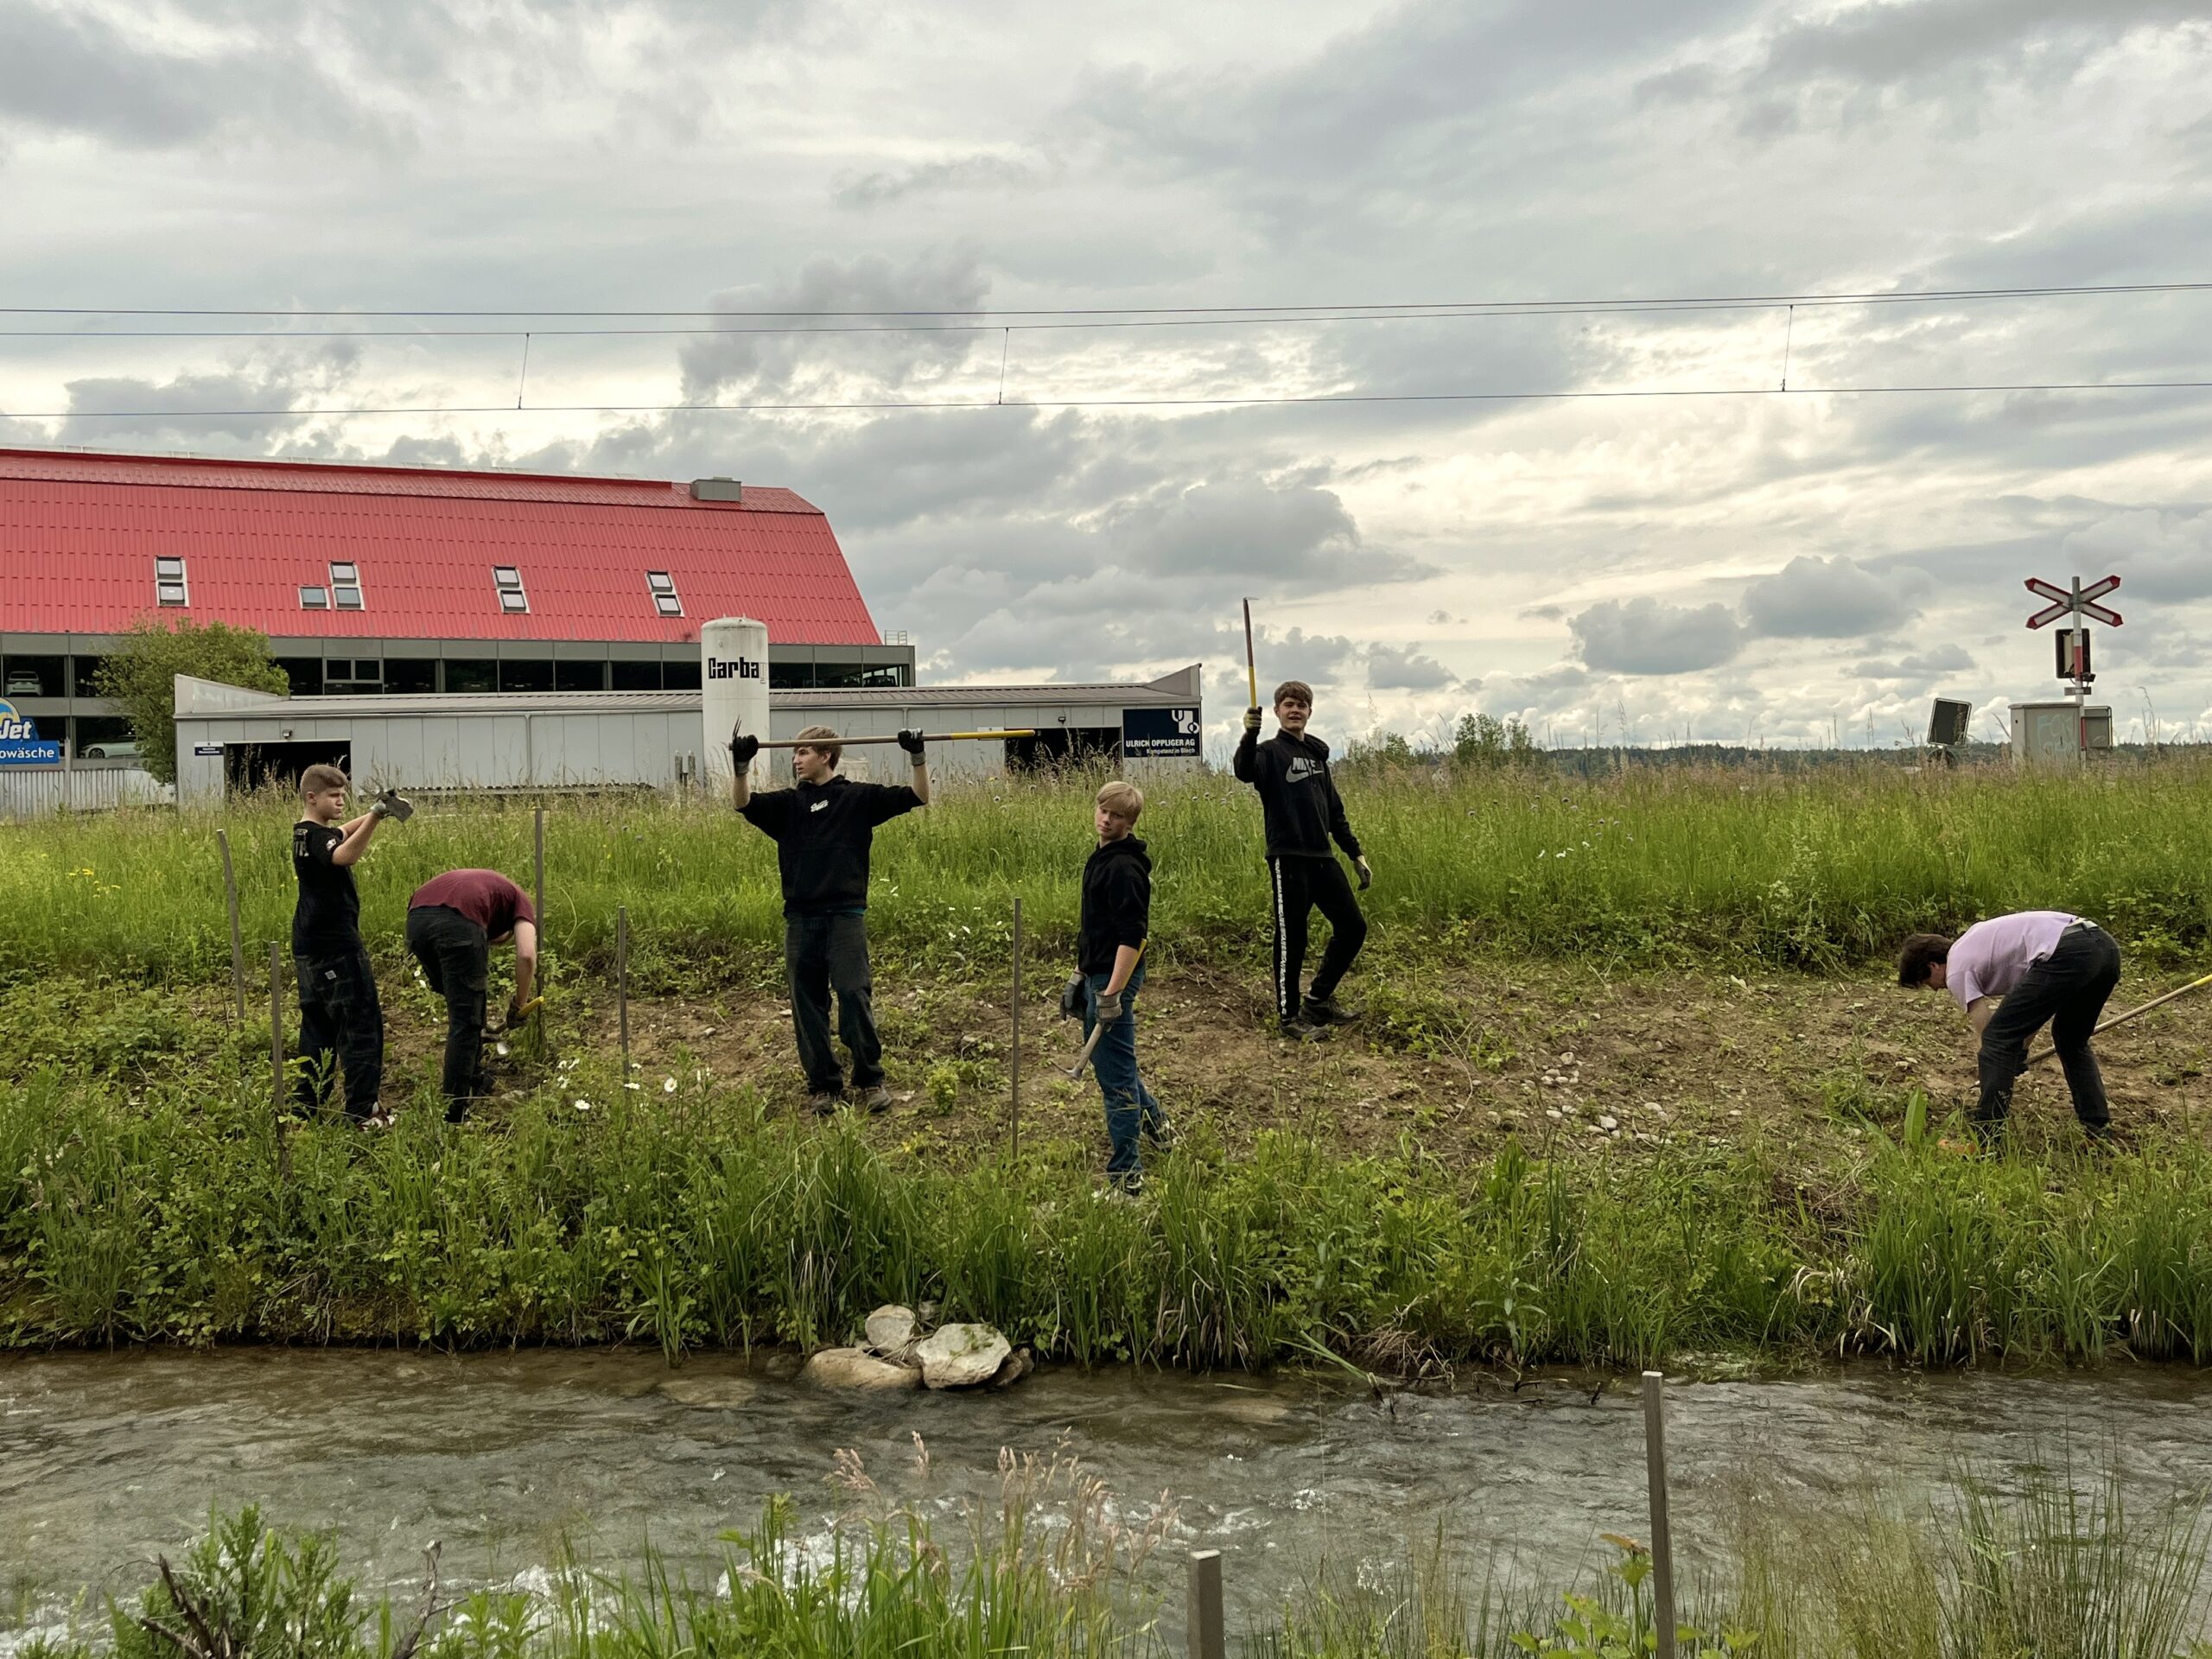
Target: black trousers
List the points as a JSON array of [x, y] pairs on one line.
[[340, 1017], [456, 958], [2068, 988], [1302, 885], [824, 954]]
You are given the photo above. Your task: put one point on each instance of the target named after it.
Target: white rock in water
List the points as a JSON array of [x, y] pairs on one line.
[[890, 1328], [962, 1356], [856, 1368]]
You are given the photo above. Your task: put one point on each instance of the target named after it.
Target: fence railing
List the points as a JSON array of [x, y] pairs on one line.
[[27, 791]]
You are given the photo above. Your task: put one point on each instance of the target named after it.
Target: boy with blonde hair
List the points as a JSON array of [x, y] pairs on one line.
[[1110, 948]]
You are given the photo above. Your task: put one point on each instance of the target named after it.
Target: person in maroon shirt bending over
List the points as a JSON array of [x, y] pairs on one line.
[[453, 922]]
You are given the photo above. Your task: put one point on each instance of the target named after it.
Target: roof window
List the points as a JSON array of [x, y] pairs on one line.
[[315, 599], [169, 587], [506, 580], [662, 585], [345, 587]]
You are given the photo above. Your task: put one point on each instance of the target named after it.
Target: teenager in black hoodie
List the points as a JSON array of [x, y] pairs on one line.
[[1116, 914], [1304, 814]]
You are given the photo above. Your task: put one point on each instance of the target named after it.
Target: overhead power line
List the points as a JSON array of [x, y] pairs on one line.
[[995, 315], [889, 405]]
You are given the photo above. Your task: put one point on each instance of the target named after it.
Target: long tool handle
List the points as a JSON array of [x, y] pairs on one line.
[[2042, 1054], [848, 743], [1251, 662]]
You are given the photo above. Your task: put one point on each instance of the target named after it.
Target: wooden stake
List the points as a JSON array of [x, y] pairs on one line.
[[237, 942], [1662, 1545], [1202, 1633], [537, 892], [1014, 1060], [622, 980], [276, 1025]]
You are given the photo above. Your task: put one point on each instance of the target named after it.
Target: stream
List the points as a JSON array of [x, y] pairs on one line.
[[106, 1459]]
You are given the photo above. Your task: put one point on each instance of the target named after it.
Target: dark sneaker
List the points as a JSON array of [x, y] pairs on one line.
[[1161, 1133], [824, 1102], [1324, 1011], [875, 1101], [1123, 1189], [1302, 1030], [457, 1112]]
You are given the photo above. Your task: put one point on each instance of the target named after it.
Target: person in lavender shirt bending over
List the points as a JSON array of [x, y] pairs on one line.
[[2012, 974]]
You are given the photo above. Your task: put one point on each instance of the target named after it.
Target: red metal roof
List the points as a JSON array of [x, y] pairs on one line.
[[80, 533]]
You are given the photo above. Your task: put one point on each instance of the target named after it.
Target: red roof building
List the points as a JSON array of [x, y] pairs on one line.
[[410, 579]]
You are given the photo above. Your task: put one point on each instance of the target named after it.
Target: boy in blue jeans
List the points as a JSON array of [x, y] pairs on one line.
[[1116, 915]]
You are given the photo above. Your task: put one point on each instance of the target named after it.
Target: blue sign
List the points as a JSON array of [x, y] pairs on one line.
[[19, 741], [1159, 734]]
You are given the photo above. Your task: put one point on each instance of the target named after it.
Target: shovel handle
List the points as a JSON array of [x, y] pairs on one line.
[[2042, 1054]]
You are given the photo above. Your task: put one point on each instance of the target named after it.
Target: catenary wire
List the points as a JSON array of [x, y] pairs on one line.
[[888, 405], [1867, 297]]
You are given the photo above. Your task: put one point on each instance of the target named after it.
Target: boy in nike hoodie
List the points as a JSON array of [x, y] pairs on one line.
[[1303, 814], [1116, 915]]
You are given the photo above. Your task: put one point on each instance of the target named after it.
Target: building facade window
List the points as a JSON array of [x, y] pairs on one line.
[[507, 582], [353, 677], [472, 674], [345, 587], [32, 677], [305, 674], [579, 676], [636, 676], [662, 585], [170, 587], [406, 675], [525, 674], [315, 599]]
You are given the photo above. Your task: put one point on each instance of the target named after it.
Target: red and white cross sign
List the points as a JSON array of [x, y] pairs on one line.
[[2075, 600]]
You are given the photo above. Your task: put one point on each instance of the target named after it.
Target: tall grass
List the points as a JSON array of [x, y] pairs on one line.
[[2048, 1571], [171, 1210], [1812, 869]]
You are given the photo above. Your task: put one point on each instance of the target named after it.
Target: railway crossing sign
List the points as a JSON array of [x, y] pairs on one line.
[[2078, 602]]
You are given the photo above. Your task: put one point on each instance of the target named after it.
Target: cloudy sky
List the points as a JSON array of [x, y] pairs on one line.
[[1785, 567]]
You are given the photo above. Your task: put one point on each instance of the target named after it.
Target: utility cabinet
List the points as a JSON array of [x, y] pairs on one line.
[[2045, 734]]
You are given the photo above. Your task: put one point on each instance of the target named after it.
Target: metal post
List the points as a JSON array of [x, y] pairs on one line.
[[1014, 1056], [1201, 1622], [276, 1025], [2080, 690], [237, 942], [537, 892], [1663, 1544], [622, 980]]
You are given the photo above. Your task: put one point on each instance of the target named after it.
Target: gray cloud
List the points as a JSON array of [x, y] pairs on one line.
[[1920, 667], [75, 71], [827, 366], [1893, 42], [1403, 668], [1821, 598], [984, 171], [1649, 636], [2162, 555]]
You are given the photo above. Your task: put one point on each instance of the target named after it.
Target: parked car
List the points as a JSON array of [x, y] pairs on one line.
[[24, 684], [121, 748]]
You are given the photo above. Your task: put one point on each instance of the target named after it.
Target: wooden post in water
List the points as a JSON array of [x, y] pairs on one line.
[[237, 942], [622, 980], [1663, 1544], [1013, 1062], [1203, 1635]]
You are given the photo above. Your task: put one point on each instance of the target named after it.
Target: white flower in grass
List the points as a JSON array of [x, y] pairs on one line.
[[668, 1085], [634, 1085], [583, 1105]]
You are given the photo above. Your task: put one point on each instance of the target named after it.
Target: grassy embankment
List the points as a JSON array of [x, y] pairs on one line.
[[145, 1191], [2046, 1572]]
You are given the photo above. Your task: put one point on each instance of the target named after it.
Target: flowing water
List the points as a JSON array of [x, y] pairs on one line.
[[106, 1459]]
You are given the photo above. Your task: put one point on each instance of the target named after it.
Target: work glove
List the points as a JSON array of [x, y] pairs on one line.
[[517, 1013], [1109, 1007], [1252, 721], [742, 747], [1366, 876], [390, 803], [1071, 997], [911, 742]]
